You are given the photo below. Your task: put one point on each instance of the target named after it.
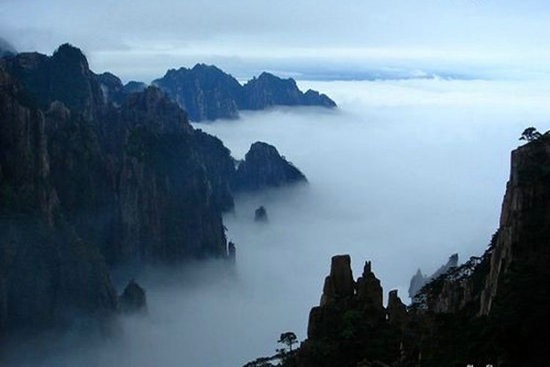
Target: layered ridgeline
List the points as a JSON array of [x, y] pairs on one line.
[[208, 93], [91, 178], [492, 310]]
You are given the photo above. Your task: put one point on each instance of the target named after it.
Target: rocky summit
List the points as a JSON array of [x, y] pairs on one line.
[[264, 167]]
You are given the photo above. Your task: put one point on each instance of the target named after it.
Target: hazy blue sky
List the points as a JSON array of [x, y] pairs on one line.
[[138, 38]]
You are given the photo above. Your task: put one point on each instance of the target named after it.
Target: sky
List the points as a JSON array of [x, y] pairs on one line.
[[307, 39]]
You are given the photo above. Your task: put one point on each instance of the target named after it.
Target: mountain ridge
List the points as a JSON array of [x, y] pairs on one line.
[[208, 93], [90, 179]]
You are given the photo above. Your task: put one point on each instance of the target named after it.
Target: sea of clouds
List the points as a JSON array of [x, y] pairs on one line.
[[403, 173]]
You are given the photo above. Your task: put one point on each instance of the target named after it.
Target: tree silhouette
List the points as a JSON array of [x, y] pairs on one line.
[[288, 338], [530, 134]]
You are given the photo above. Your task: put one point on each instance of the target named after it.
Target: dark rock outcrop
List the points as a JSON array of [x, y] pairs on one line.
[[419, 279], [369, 292], [339, 284], [264, 167], [220, 167], [397, 311], [260, 214], [351, 324], [269, 90], [205, 92], [133, 298]]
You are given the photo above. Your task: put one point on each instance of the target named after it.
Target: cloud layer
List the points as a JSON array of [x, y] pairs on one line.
[[139, 39]]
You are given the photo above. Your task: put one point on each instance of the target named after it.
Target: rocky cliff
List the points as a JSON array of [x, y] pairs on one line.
[[264, 167], [85, 182], [91, 177], [48, 274], [351, 325], [491, 310], [207, 93]]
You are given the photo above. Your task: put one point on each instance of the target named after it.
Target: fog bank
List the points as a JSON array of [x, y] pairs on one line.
[[404, 173]]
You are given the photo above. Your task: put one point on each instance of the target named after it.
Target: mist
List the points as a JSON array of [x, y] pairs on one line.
[[404, 173]]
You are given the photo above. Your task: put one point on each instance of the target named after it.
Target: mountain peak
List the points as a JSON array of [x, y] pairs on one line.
[[69, 52]]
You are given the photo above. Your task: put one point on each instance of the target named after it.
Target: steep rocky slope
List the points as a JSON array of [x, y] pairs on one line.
[[493, 309], [48, 273], [93, 177], [84, 183]]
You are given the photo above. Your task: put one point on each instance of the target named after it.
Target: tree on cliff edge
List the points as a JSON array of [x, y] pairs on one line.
[[288, 338], [530, 134]]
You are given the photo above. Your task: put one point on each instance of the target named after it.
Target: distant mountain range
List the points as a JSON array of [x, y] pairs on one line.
[[208, 93]]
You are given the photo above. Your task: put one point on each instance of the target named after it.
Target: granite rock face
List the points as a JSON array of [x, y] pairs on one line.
[[369, 290], [339, 284], [48, 274], [264, 167]]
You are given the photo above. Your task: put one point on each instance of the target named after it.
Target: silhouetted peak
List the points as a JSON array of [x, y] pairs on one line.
[[68, 53], [263, 167]]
